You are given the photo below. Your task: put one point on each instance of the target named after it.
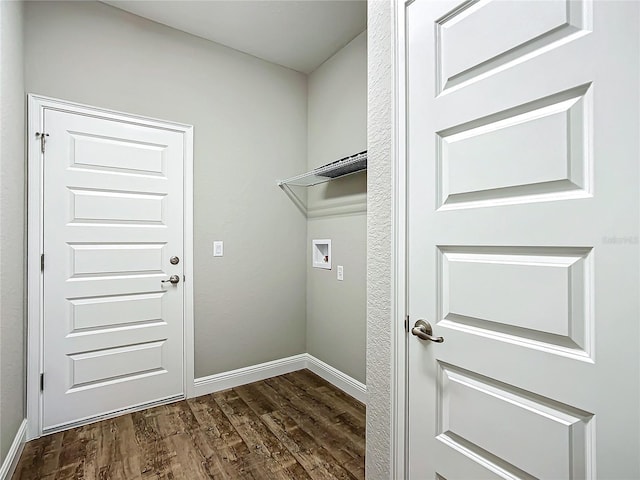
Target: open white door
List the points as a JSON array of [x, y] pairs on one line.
[[523, 152], [113, 219]]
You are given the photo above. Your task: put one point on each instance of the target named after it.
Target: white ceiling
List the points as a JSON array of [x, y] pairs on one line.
[[298, 34]]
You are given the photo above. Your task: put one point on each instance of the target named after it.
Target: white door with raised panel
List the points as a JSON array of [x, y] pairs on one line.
[[113, 218], [523, 152]]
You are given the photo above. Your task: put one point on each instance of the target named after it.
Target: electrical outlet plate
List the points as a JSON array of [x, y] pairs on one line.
[[218, 248], [340, 272], [321, 254]]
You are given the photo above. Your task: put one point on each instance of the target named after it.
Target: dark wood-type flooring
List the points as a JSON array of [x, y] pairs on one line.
[[295, 426]]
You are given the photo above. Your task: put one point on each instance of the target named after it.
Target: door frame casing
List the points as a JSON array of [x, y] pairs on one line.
[[400, 312], [37, 105]]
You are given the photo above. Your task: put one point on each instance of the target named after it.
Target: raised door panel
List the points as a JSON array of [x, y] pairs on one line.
[[529, 152], [513, 428], [503, 34]]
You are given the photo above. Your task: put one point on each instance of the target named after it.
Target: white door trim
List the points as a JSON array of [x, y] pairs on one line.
[[36, 107], [399, 367]]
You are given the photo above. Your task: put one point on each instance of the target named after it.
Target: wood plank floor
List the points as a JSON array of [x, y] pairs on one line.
[[295, 426]]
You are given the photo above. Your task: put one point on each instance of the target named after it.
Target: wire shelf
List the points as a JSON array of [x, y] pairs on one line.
[[340, 168]]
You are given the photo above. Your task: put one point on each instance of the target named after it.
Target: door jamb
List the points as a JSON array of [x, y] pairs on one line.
[[400, 312], [35, 120]]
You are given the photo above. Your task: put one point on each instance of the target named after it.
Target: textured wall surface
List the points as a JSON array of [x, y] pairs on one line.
[[379, 239], [337, 127], [249, 120], [12, 224]]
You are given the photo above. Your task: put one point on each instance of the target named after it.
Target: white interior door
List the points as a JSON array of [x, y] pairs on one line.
[[523, 238], [113, 218]]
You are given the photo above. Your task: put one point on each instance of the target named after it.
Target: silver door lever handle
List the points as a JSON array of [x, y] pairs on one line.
[[424, 331], [173, 279]]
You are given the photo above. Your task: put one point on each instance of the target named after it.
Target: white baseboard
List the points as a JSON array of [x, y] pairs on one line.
[[243, 376], [13, 455], [262, 371], [337, 378]]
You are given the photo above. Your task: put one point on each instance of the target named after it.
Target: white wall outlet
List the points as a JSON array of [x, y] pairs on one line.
[[321, 254], [340, 272], [218, 248]]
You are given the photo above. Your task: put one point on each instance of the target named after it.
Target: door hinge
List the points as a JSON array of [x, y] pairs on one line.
[[42, 262], [42, 382], [41, 136]]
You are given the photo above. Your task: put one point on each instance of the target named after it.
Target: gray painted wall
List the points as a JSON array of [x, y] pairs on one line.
[[379, 239], [12, 224], [250, 129], [337, 127]]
